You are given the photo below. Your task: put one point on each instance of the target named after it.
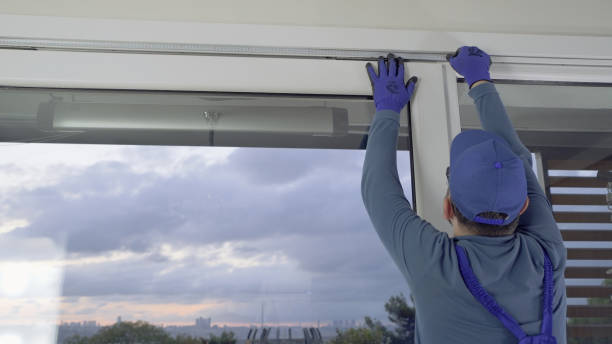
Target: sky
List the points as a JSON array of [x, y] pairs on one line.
[[169, 234]]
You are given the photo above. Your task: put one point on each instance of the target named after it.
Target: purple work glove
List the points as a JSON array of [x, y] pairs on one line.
[[472, 63], [390, 92]]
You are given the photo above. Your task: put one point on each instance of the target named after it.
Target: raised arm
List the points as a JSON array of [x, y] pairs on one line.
[[493, 117], [473, 64], [411, 241]]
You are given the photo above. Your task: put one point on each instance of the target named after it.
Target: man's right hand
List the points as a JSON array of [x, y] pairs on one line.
[[472, 63], [390, 92]]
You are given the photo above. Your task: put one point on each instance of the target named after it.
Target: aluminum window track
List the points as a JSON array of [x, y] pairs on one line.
[[168, 48], [205, 49]]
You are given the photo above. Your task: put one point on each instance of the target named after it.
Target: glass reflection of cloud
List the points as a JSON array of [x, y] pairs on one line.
[[10, 339], [14, 279], [30, 289]]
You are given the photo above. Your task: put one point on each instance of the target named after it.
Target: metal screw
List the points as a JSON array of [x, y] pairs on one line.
[[211, 116]]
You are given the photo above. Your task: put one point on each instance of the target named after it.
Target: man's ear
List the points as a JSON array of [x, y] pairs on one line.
[[525, 206], [446, 207]]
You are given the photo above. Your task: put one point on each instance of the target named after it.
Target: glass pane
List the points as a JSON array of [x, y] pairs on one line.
[[569, 128], [200, 240], [186, 118]]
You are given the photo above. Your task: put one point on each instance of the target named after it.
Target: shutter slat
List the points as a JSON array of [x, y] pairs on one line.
[[582, 217], [589, 253], [589, 311], [587, 331], [577, 182], [579, 164], [587, 235], [589, 291], [588, 272], [578, 199]]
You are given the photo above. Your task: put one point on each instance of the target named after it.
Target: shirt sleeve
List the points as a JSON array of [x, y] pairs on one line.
[[412, 242], [538, 220]]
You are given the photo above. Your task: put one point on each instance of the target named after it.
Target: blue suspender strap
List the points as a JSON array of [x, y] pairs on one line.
[[489, 303], [483, 297], [548, 297]]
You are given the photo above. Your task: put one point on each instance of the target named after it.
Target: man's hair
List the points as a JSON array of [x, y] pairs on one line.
[[478, 228], [484, 229]]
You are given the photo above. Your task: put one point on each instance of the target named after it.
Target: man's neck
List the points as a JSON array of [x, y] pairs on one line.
[[459, 230]]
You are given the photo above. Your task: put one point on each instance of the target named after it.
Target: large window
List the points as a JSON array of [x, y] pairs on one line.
[[151, 226], [569, 130], [245, 206]]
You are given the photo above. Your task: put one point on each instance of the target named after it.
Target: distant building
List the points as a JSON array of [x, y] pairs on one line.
[[83, 329], [203, 323], [119, 319], [91, 323], [344, 324]]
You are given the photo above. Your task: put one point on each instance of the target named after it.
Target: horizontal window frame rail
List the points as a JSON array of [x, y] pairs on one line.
[[516, 57], [174, 48], [503, 47], [168, 48]]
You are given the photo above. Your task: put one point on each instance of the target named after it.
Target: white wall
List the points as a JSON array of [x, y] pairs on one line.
[[568, 17]]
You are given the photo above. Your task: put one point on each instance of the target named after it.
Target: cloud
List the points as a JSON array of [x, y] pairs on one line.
[[282, 226], [280, 166], [108, 206], [339, 285], [294, 293]]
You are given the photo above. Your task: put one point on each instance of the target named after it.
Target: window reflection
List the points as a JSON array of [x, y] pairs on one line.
[[186, 118], [172, 234]]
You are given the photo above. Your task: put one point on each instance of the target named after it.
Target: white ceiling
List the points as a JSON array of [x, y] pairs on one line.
[[567, 17]]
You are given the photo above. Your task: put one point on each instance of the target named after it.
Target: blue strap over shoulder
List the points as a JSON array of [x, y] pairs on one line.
[[471, 282]]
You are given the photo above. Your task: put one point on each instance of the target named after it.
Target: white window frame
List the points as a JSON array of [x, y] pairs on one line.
[[228, 57]]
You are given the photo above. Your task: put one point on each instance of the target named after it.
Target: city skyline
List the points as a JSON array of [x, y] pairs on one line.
[[201, 327], [344, 323], [207, 323]]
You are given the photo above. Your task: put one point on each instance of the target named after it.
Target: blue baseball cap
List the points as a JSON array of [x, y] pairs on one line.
[[485, 175]]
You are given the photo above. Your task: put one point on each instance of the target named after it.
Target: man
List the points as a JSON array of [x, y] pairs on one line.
[[489, 283]]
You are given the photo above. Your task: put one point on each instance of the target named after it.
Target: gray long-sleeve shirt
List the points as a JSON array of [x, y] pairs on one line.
[[510, 268]]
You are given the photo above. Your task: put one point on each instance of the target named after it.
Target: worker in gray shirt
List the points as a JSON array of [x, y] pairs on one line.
[[500, 278]]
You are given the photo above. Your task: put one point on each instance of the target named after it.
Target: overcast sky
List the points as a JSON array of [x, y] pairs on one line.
[[168, 234]]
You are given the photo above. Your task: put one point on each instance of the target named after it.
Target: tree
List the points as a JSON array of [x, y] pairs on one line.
[[131, 333], [126, 333], [182, 339], [374, 332], [358, 336], [403, 317], [225, 338], [76, 339], [141, 332]]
